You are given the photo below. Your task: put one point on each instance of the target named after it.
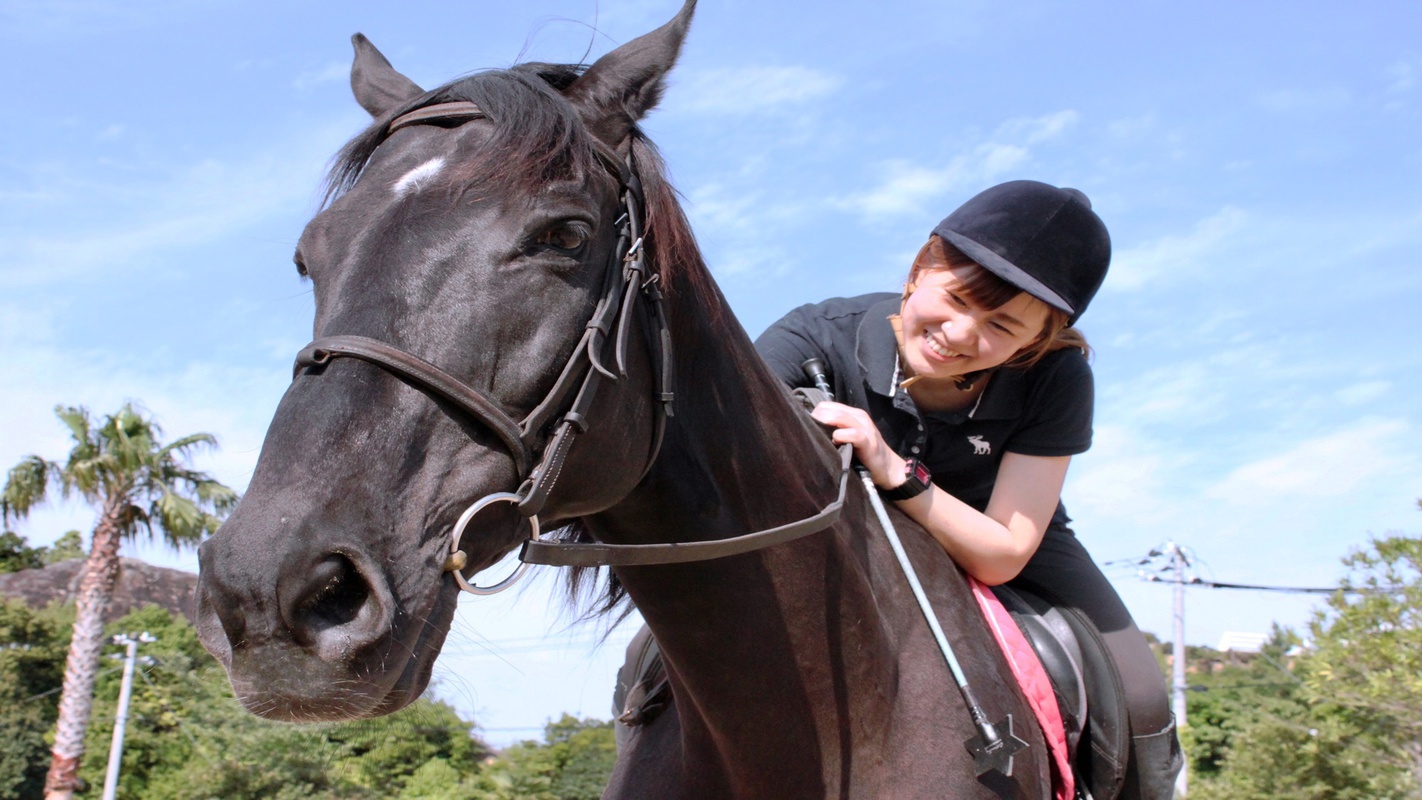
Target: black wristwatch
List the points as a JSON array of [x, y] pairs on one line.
[[917, 479]]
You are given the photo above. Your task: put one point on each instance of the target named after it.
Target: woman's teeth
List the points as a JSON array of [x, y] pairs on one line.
[[938, 348]]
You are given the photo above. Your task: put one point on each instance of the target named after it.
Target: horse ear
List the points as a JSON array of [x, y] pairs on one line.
[[377, 86], [626, 83]]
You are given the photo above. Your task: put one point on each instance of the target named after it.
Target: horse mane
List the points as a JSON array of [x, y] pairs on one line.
[[540, 137]]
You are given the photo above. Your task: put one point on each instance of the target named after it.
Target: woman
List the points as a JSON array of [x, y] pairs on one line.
[[966, 398]]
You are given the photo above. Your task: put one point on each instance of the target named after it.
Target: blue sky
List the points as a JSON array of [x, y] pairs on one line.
[[1258, 166]]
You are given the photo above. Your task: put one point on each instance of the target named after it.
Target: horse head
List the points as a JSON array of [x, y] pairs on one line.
[[470, 234]]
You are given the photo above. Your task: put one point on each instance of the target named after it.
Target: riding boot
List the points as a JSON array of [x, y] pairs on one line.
[[1155, 762]]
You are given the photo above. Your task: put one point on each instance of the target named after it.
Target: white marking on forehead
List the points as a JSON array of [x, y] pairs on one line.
[[416, 178]]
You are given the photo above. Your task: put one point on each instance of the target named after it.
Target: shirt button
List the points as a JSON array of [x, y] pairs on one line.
[[914, 449], [920, 426]]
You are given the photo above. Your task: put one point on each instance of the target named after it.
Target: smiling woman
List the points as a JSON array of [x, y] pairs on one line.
[[966, 399]]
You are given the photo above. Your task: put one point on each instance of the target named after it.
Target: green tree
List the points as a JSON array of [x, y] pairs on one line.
[[32, 647], [1224, 702], [1368, 650], [66, 548], [573, 763], [1348, 725], [16, 553], [138, 484]]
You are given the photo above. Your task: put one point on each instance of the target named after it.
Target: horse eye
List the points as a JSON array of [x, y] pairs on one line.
[[300, 266], [566, 237]]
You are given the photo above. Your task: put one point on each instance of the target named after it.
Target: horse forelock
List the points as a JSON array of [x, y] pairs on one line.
[[538, 137]]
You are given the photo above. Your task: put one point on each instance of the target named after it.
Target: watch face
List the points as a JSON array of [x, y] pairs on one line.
[[919, 473]]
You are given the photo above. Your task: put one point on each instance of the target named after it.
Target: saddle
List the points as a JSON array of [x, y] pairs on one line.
[[1087, 687]]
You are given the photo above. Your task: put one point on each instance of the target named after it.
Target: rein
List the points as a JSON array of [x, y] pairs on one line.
[[539, 458]]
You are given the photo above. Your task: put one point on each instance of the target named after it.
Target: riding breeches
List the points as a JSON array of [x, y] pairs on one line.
[[1063, 573]]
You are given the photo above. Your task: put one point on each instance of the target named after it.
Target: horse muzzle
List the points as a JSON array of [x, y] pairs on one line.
[[317, 634]]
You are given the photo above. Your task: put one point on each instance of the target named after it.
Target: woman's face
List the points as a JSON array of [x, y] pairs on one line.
[[947, 335]]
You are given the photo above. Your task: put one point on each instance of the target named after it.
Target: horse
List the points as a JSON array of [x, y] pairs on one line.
[[510, 305]]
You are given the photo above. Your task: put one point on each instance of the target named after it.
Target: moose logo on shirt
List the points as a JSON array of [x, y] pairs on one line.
[[980, 447]]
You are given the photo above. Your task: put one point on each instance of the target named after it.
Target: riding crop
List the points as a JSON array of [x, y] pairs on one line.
[[992, 750]]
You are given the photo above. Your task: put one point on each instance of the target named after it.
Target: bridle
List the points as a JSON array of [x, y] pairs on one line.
[[538, 456]]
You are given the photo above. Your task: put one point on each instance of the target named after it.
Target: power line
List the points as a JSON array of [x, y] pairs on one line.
[[1261, 588], [1188, 559]]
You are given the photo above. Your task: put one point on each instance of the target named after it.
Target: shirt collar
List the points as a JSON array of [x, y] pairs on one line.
[[877, 350]]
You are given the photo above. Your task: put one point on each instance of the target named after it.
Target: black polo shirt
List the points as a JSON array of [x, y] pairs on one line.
[[1042, 411]]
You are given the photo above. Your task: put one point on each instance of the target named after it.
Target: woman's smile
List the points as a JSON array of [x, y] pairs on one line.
[[940, 349]]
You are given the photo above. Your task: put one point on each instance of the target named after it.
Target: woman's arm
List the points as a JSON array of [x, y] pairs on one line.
[[992, 547]]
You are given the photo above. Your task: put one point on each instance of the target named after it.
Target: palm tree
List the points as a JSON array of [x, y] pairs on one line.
[[138, 484]]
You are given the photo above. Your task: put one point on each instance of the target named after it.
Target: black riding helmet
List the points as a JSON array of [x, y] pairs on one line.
[[1044, 240]]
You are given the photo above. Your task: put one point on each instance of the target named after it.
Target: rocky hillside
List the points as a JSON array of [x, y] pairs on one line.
[[139, 584]]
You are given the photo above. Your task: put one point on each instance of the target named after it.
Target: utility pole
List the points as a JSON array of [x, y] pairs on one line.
[[121, 717], [1178, 561]]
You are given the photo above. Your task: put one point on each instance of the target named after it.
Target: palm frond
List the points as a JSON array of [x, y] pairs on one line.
[[180, 518], [76, 419], [185, 444], [25, 487], [121, 463]]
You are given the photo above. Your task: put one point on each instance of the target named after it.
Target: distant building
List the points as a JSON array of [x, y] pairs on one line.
[[1237, 642]]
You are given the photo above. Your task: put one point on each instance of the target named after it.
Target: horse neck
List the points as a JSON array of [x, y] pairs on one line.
[[748, 639], [739, 453]]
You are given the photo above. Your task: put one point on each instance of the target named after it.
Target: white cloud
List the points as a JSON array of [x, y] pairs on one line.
[[1182, 392], [742, 90], [1306, 101], [75, 18], [910, 187], [331, 73], [1362, 393], [1177, 256], [1402, 76], [1038, 129], [1332, 465], [1123, 477], [195, 203]]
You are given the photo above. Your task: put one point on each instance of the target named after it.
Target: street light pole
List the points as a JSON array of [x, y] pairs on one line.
[[121, 717]]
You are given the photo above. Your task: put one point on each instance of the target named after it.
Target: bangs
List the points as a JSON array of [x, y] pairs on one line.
[[976, 282]]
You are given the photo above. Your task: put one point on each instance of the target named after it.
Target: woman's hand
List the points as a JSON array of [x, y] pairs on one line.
[[854, 427]]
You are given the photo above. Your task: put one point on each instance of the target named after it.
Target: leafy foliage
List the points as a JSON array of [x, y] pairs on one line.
[[16, 553], [1227, 700], [188, 738], [32, 648], [574, 764], [1347, 724]]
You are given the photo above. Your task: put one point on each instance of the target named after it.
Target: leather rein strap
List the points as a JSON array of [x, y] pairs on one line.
[[581, 554], [539, 461]]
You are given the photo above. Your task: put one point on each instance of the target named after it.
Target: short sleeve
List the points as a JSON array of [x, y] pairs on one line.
[[1060, 401], [789, 342]]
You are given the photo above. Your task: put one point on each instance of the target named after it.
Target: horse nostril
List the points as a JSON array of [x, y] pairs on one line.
[[340, 610], [336, 596]]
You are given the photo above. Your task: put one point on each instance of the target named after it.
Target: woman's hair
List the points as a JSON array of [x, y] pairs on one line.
[[985, 289]]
